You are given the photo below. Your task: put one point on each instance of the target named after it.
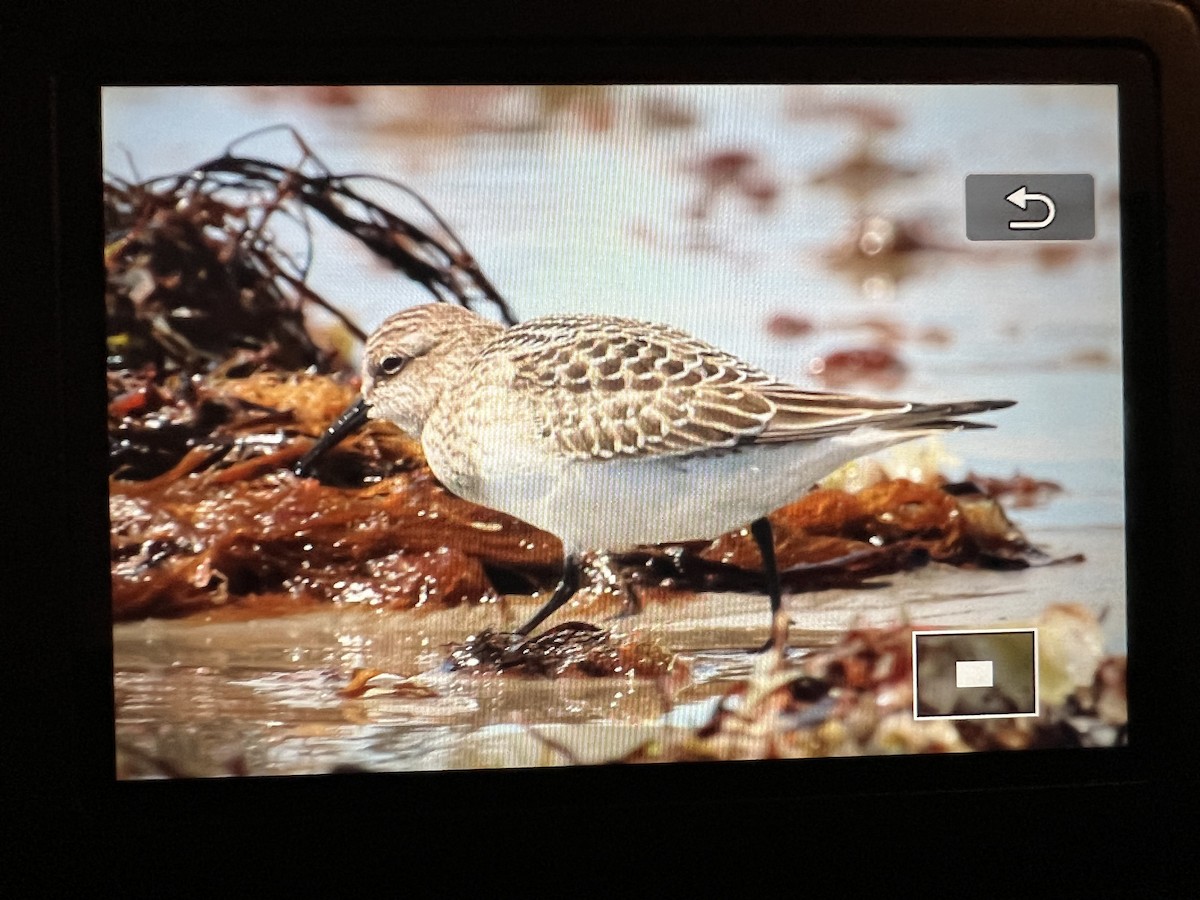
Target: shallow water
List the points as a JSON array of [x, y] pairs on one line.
[[564, 219]]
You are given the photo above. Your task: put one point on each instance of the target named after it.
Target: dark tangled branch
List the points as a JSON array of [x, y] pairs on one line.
[[439, 262], [195, 277]]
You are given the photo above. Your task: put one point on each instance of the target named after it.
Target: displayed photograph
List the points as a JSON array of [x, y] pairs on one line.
[[510, 426]]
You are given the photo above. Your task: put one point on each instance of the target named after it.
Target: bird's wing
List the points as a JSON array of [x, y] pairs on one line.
[[604, 387], [802, 415]]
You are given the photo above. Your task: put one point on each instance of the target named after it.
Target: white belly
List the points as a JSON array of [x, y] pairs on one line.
[[618, 503]]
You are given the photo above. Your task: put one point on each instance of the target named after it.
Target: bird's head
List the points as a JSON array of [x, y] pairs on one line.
[[416, 355]]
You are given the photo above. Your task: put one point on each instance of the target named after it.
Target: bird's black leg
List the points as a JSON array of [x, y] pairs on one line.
[[566, 588], [765, 539]]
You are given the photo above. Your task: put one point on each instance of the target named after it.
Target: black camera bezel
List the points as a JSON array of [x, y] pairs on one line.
[[1150, 48]]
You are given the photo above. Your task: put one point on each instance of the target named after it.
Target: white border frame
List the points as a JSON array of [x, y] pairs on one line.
[[1037, 675]]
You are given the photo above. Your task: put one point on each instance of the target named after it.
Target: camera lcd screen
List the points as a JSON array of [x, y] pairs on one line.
[[885, 319]]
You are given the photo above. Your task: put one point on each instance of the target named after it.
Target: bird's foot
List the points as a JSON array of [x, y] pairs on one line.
[[632, 604], [606, 575], [778, 639]]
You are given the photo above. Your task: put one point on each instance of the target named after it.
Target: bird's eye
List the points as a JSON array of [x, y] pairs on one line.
[[390, 365]]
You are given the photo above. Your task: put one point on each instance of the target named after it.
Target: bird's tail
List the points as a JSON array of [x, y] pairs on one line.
[[944, 416]]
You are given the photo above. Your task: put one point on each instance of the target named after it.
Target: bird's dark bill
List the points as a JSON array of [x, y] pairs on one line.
[[351, 420]]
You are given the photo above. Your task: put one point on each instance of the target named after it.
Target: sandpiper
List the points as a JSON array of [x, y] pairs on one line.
[[613, 432]]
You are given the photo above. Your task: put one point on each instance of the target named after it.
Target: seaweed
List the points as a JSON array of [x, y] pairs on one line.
[[200, 290], [195, 275], [229, 523], [217, 380], [216, 529], [573, 648]]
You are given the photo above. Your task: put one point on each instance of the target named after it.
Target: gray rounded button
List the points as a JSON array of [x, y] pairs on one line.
[[1031, 207]]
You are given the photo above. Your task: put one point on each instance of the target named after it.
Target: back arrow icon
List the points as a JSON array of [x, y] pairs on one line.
[[1020, 197]]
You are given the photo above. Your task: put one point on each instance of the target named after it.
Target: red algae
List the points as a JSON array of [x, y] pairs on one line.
[[886, 527], [786, 325], [733, 171], [214, 530], [878, 365], [880, 253], [401, 542], [1022, 491]]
